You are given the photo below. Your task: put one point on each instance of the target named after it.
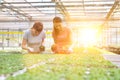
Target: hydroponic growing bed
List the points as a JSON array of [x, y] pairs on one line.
[[88, 65]]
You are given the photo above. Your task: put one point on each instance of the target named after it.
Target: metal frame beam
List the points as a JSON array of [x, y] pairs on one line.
[[60, 7], [52, 2], [39, 6], [116, 3], [11, 8], [71, 20], [112, 9]]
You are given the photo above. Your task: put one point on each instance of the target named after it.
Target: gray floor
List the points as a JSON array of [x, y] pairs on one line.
[[114, 58]]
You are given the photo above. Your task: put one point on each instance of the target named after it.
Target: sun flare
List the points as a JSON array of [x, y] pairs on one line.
[[88, 36]]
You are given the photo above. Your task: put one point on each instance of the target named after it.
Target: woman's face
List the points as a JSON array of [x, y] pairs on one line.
[[58, 26], [34, 32]]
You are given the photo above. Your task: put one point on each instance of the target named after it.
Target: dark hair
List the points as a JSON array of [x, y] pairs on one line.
[[38, 26], [57, 19]]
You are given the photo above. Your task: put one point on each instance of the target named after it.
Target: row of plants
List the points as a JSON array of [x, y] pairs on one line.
[[85, 65], [114, 48], [10, 62], [60, 72]]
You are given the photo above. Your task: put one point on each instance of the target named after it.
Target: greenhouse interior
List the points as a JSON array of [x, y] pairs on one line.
[[93, 52]]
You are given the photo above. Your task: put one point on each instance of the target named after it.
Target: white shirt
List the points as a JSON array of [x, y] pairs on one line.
[[34, 41]]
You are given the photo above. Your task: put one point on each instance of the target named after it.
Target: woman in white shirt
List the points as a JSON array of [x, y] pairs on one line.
[[33, 38]]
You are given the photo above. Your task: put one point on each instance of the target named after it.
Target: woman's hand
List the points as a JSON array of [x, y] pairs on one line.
[[30, 50]]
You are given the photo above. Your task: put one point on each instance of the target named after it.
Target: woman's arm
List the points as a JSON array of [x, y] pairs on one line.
[[43, 38], [42, 41], [24, 42], [70, 36]]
